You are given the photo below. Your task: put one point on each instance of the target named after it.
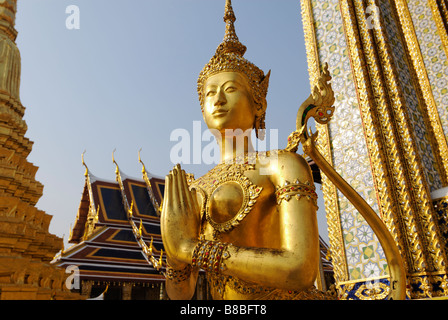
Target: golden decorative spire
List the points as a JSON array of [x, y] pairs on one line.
[[131, 209], [84, 164], [147, 180], [161, 255], [140, 228], [231, 42]]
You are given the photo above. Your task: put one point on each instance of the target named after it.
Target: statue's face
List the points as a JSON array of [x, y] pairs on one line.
[[228, 102]]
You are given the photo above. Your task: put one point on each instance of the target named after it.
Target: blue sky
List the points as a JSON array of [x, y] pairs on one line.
[[127, 78]]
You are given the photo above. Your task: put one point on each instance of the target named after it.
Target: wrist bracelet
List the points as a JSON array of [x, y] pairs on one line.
[[210, 255]]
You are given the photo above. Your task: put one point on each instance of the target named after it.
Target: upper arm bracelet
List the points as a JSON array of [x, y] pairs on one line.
[[296, 189]]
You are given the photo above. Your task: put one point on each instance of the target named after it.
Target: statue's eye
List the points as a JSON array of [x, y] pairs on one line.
[[210, 93], [230, 89]]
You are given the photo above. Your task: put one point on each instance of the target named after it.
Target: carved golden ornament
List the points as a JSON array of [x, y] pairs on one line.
[[229, 57], [319, 106], [373, 291], [442, 284]]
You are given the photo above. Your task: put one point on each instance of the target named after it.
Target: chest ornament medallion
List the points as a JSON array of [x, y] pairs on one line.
[[230, 200], [228, 195]]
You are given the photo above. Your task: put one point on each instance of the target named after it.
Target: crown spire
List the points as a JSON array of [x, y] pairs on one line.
[[229, 15], [231, 42]]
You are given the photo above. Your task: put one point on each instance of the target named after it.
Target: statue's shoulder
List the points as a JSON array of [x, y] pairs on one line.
[[285, 164], [283, 157]]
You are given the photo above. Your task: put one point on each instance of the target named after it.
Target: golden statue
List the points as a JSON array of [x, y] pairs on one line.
[[250, 222]]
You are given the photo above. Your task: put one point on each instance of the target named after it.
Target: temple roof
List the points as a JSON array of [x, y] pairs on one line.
[[104, 200], [116, 220]]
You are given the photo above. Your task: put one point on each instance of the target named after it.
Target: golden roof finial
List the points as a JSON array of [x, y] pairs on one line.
[[95, 219], [70, 235], [140, 160], [131, 209], [161, 255], [117, 170], [84, 164], [63, 246], [140, 228]]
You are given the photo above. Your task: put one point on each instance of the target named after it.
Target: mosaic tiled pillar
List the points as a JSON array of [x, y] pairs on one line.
[[386, 139]]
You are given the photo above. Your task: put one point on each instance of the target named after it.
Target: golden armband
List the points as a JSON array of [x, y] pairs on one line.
[[210, 255], [297, 189]]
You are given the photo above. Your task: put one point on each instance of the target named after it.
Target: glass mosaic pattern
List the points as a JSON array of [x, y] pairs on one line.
[[434, 56], [365, 257], [414, 108]]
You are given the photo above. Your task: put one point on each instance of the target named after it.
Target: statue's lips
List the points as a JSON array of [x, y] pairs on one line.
[[219, 113]]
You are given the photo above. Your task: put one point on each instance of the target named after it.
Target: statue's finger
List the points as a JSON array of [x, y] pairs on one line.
[[185, 190], [180, 188], [175, 190], [194, 196], [166, 194]]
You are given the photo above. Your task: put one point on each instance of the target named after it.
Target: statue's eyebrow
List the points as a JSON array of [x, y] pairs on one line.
[[234, 81], [210, 86], [214, 85]]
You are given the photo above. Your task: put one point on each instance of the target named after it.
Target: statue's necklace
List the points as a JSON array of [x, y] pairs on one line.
[[227, 190]]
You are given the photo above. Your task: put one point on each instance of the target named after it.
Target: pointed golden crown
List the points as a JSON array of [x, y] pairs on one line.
[[229, 57]]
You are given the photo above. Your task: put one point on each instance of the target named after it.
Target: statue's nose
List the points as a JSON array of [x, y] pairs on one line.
[[220, 98]]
